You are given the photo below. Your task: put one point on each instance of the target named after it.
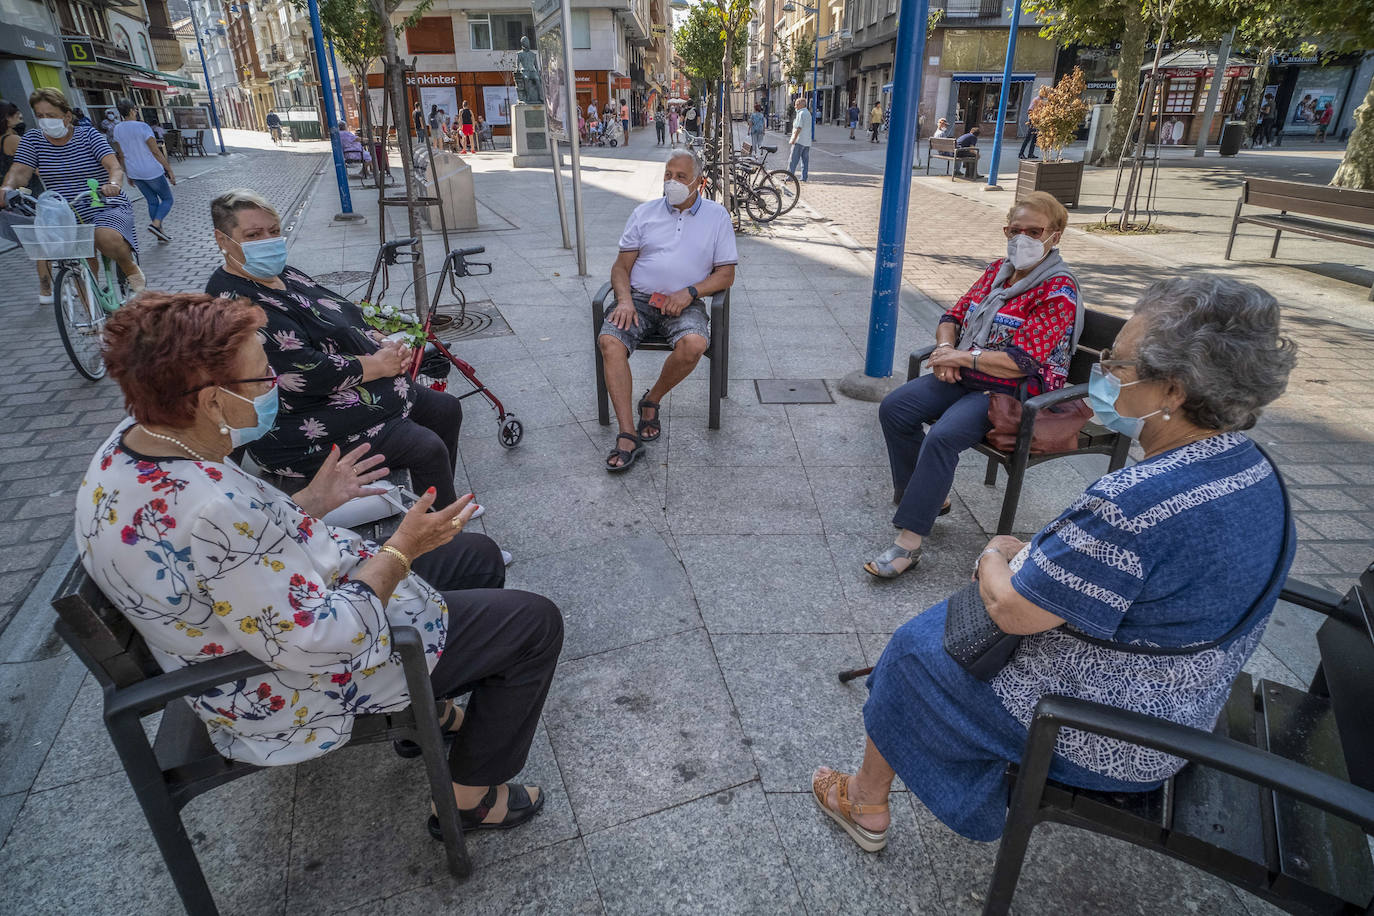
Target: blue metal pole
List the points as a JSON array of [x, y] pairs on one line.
[[338, 78], [815, 76], [1002, 99], [204, 69], [322, 65], [901, 147]]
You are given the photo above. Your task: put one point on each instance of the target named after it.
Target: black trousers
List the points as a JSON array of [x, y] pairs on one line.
[[426, 443], [502, 648]]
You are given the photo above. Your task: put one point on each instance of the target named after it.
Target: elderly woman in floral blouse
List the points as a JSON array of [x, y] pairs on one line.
[[339, 383], [205, 559]]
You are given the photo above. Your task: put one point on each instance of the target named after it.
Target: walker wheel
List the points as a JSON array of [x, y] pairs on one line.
[[511, 432]]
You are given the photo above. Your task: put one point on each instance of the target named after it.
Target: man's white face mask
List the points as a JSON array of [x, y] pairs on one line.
[[676, 192]]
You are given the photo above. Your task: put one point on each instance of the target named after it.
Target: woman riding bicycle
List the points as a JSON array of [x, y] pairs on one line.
[[67, 156], [11, 132], [339, 384]]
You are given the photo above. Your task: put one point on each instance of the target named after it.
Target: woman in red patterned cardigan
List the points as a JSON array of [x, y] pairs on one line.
[[1017, 322]]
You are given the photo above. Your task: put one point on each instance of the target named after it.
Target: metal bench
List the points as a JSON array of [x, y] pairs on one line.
[[1311, 200], [717, 354], [1277, 800], [944, 148], [1099, 332]]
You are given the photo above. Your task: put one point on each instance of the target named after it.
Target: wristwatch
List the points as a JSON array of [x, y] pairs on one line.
[[693, 291], [976, 351]]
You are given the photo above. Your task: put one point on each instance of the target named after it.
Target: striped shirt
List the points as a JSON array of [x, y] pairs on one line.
[[66, 169]]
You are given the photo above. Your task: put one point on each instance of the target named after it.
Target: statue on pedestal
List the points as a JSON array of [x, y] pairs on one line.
[[527, 86]]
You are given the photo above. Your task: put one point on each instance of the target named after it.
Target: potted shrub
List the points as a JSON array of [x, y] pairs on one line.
[[1056, 121]]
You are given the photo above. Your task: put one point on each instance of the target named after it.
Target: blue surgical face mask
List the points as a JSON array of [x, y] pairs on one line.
[[1103, 391], [265, 257], [265, 405]]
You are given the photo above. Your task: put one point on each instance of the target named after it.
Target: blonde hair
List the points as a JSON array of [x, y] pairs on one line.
[[53, 97], [1044, 204], [224, 210]]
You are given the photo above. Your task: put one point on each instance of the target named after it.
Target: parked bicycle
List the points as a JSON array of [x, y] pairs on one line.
[[87, 287], [781, 180], [761, 202]]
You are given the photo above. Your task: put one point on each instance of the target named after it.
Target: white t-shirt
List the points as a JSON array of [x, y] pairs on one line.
[[801, 128], [139, 162], [677, 248]]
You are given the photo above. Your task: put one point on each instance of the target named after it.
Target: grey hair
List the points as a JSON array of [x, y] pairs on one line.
[[1220, 341], [687, 154]]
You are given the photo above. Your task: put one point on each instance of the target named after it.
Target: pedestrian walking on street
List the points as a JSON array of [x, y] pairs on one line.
[[1031, 132], [853, 118], [1265, 126], [875, 122], [67, 155], [417, 121], [801, 139], [11, 131], [756, 124], [672, 127], [660, 125], [625, 122], [146, 165], [467, 128]]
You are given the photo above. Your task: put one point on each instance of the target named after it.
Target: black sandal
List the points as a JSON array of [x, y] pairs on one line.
[[520, 809], [404, 747], [649, 426], [627, 457]]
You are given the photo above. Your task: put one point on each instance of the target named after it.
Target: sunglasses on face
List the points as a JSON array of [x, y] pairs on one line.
[[1035, 232]]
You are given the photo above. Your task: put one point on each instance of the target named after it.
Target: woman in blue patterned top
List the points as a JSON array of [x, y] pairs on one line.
[[1170, 552], [67, 155]]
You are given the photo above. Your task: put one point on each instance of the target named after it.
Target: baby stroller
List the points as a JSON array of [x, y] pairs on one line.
[[601, 134], [435, 360]]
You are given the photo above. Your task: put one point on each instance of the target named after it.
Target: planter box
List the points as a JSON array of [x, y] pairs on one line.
[[1061, 179]]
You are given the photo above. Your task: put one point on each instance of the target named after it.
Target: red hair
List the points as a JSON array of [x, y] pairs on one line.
[[161, 346]]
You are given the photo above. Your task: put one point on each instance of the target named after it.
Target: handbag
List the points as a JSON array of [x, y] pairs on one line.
[[1056, 427], [982, 648], [972, 639]]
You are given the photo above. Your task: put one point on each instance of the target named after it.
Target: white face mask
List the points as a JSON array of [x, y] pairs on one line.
[[1024, 252], [53, 127], [676, 192]]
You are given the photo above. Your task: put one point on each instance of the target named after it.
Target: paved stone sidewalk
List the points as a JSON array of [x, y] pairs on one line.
[[52, 419], [710, 594]]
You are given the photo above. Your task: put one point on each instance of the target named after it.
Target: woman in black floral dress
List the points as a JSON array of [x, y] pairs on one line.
[[339, 384]]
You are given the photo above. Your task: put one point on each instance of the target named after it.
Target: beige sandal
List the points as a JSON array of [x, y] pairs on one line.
[[821, 783]]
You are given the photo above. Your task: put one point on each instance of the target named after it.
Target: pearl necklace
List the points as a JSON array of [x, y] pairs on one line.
[[177, 442]]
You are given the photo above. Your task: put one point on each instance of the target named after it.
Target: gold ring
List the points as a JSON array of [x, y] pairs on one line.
[[458, 524]]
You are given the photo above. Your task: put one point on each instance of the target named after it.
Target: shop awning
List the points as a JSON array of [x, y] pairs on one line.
[[992, 77], [155, 85], [142, 76]]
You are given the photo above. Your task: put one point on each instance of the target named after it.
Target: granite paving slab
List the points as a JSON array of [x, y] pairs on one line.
[[36, 696], [752, 500], [540, 517], [643, 728], [718, 854]]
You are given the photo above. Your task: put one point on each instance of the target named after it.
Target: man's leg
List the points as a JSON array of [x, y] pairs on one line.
[[796, 158], [806, 163], [687, 352]]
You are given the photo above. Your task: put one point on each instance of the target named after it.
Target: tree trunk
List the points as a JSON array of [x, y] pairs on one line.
[[394, 81], [1127, 80], [1261, 76], [1357, 168]]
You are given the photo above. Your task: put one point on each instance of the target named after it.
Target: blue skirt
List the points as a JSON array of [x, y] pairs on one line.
[[947, 734]]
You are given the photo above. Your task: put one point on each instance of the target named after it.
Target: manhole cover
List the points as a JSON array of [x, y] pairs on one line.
[[480, 319], [793, 391]]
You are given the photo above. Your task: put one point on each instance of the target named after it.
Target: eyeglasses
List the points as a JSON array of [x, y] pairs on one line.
[[1035, 232], [270, 380], [1106, 359]]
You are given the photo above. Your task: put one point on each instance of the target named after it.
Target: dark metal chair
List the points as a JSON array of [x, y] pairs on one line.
[[717, 353], [181, 762], [1099, 331], [1277, 800], [195, 143]]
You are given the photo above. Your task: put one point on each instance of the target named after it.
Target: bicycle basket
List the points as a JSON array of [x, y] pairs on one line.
[[53, 243]]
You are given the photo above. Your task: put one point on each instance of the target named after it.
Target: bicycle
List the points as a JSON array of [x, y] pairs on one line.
[[82, 300], [435, 357], [784, 181], [763, 203]]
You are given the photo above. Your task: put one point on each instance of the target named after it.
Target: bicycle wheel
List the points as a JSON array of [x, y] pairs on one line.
[[787, 186], [762, 204], [79, 321]]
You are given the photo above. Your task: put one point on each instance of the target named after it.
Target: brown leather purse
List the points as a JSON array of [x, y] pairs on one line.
[[1056, 428]]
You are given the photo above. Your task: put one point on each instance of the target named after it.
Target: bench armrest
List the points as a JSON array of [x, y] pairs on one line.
[[1335, 796], [1052, 398], [916, 360], [1312, 597], [156, 692]]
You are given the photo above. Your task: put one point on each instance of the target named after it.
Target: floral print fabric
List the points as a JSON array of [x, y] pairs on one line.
[[1035, 329], [313, 339], [206, 560]]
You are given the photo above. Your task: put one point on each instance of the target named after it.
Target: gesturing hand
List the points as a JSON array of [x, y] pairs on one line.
[[422, 531], [340, 479]]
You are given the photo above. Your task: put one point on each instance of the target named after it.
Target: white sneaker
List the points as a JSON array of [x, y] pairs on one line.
[[45, 298], [506, 558]]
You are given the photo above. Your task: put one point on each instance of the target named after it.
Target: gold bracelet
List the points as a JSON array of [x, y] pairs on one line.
[[405, 560]]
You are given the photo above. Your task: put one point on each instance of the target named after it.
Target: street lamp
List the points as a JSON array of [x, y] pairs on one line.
[[842, 34]]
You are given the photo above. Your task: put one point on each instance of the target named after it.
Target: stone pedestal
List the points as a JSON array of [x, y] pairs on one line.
[[455, 189], [529, 136]]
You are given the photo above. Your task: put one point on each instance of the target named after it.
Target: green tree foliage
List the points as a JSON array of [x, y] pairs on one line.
[[700, 43], [796, 57]]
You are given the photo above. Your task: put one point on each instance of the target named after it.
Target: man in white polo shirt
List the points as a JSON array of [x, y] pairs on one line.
[[676, 250]]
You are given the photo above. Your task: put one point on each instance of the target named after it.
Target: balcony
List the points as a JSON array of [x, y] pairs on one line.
[[973, 9]]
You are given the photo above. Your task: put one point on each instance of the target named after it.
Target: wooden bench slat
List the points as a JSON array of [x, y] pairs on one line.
[[1315, 849], [1315, 195], [1331, 231]]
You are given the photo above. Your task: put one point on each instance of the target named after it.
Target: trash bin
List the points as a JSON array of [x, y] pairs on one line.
[[1232, 135]]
